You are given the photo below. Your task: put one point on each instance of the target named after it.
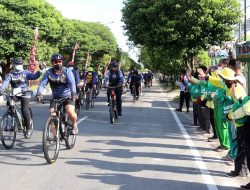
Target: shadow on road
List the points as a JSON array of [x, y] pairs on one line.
[[128, 182]]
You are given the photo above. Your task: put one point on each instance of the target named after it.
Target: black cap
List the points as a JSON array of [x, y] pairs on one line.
[[16, 61]]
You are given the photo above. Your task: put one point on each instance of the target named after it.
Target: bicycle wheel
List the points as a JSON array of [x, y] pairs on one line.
[[70, 139], [134, 93], [81, 98], [8, 130], [87, 100], [77, 107], [112, 111], [92, 102], [31, 127], [51, 140]]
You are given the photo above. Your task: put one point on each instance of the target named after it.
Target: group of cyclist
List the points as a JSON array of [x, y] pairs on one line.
[[65, 82], [136, 78]]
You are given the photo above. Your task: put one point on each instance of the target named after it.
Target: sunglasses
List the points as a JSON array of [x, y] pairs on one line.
[[59, 61]]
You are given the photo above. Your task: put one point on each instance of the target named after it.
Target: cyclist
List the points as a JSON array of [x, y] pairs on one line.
[[100, 77], [75, 73], [63, 85], [114, 78], [142, 81], [19, 81], [91, 80], [77, 78], [150, 77], [134, 79], [145, 76]]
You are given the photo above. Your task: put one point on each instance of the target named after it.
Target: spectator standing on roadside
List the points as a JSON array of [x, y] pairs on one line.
[[184, 92]]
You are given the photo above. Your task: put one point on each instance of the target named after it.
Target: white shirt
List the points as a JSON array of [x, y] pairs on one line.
[[241, 80]]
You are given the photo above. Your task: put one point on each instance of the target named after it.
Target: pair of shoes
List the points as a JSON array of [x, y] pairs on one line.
[[246, 187], [179, 109], [119, 114], [187, 110], [235, 174], [75, 129]]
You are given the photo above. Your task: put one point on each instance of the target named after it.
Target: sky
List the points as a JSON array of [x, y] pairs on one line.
[[107, 12]]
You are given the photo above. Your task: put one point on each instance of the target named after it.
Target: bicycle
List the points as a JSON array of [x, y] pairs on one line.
[[58, 127], [12, 122], [134, 92], [113, 113], [80, 101], [89, 98]]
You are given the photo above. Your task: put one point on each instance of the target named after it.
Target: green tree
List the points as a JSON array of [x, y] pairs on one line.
[[203, 58], [18, 20], [180, 28]]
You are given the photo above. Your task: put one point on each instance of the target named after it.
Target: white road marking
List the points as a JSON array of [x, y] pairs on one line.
[[202, 166], [78, 122]]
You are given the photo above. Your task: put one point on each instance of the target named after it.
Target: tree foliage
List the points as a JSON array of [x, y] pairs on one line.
[[180, 29], [19, 18], [127, 63]]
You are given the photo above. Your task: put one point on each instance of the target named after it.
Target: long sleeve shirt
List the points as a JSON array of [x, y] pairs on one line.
[[19, 81], [62, 85], [114, 78]]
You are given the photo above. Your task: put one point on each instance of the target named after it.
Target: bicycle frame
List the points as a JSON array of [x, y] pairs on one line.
[[15, 110], [112, 104], [59, 109]]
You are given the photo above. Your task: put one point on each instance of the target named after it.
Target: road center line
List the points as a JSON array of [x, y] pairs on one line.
[[202, 166], [78, 122]]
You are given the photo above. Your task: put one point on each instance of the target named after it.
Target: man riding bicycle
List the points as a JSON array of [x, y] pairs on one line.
[[134, 78], [115, 78], [19, 81], [90, 80], [76, 76], [150, 77], [62, 83]]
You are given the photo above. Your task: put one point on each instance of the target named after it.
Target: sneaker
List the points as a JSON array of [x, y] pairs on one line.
[[75, 130], [29, 133], [187, 110], [246, 187], [179, 109], [234, 174], [220, 148], [107, 104], [227, 158]]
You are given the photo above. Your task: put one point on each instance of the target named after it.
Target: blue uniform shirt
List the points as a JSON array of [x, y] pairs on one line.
[[76, 74], [19, 80], [62, 85], [114, 78]]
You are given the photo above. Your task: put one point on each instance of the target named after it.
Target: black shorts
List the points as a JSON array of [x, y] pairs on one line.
[[69, 101]]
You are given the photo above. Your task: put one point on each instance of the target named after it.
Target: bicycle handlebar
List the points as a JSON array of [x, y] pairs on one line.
[[19, 93], [57, 100], [112, 87]]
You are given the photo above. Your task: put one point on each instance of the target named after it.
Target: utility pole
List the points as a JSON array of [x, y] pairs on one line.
[[245, 20]]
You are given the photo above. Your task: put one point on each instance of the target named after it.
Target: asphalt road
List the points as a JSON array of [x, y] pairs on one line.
[[151, 147]]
